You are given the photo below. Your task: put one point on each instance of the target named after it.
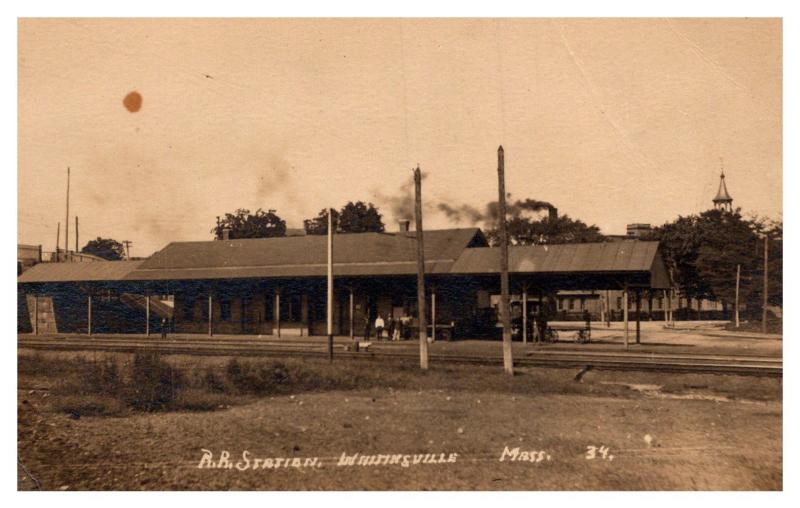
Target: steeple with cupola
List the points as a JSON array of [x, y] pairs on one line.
[[723, 200]]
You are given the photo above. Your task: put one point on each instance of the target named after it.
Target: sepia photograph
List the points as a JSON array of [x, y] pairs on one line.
[[399, 254]]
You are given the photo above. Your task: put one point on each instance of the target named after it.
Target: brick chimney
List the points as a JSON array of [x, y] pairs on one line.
[[553, 213], [226, 233], [404, 226]]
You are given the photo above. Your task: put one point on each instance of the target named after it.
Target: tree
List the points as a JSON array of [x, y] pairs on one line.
[[319, 224], [704, 250], [105, 248], [243, 224], [774, 231], [356, 217], [680, 245], [726, 240]]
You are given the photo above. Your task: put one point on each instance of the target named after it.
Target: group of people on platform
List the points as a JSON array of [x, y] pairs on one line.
[[538, 329], [395, 328]]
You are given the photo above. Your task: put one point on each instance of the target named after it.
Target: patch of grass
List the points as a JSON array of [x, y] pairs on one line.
[[257, 376], [194, 399], [90, 405], [213, 381], [774, 325], [39, 364], [104, 377], [154, 382]]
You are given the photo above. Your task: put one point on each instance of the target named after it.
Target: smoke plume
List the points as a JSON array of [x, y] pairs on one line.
[[488, 217], [401, 204]]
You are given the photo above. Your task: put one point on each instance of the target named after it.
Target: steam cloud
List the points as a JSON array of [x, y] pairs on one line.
[[402, 203], [471, 215]]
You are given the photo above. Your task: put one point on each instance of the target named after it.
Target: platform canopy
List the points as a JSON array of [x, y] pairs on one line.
[[606, 265]]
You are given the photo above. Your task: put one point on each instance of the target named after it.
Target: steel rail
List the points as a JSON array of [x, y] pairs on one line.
[[559, 359]]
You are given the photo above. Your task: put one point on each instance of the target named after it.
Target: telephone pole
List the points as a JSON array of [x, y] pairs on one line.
[[58, 241], [766, 284], [127, 244], [66, 223], [508, 361], [330, 285], [423, 326], [76, 234], [736, 309]]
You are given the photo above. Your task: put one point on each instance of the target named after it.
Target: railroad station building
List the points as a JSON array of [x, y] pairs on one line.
[[277, 286]]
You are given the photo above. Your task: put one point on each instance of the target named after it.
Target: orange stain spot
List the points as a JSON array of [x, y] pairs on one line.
[[133, 102]]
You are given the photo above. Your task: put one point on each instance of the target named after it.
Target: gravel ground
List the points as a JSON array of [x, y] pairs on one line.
[[664, 432]]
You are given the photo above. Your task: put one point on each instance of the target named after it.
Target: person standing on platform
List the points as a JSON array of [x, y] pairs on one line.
[[397, 328], [379, 325], [367, 325], [390, 324]]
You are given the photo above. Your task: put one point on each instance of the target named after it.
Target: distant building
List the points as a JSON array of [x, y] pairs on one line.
[[633, 232], [71, 257], [30, 255], [638, 230], [27, 256]]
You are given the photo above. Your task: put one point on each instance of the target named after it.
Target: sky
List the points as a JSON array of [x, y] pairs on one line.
[[614, 121]]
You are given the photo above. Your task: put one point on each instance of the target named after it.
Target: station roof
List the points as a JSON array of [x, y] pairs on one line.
[[361, 254], [447, 252], [78, 271], [621, 258]]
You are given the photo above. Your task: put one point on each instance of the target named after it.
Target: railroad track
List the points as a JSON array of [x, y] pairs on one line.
[[609, 360]]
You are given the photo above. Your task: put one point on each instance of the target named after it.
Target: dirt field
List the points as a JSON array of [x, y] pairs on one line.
[[657, 431]]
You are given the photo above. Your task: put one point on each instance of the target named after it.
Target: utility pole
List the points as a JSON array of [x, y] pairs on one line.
[[58, 241], [423, 326], [89, 315], [766, 284], [508, 361], [76, 233], [36, 314], [602, 309], [638, 315], [127, 248], [625, 313], [352, 323], [330, 284], [210, 315], [525, 313], [147, 313], [736, 308], [66, 223]]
